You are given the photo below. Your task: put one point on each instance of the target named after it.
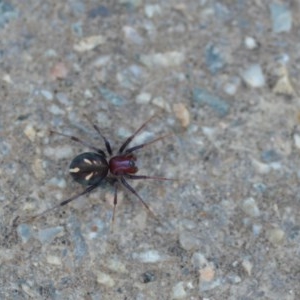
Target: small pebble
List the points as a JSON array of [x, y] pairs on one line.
[[247, 266], [152, 9], [250, 207], [297, 140], [116, 265], [231, 87], [203, 97], [30, 132], [283, 86], [112, 97], [24, 232], [213, 59], [55, 110], [270, 156], [38, 169], [182, 114], [105, 279], [59, 71], [89, 43], [207, 273], [160, 102], [178, 291], [254, 76], [188, 241], [48, 235], [47, 95], [198, 260], [275, 236], [261, 167], [132, 35], [53, 260], [164, 60], [151, 256], [63, 98], [4, 147], [281, 17], [148, 276], [143, 98], [250, 43]]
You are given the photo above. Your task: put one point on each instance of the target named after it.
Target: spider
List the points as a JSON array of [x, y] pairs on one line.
[[91, 168]]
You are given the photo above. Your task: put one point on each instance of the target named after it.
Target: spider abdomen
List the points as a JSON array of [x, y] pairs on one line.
[[89, 168]]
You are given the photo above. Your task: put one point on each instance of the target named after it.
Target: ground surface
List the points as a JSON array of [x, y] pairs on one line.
[[223, 77]]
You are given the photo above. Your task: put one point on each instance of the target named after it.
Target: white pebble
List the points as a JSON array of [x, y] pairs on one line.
[[178, 291], [254, 76], [151, 256], [143, 98], [250, 43], [250, 207], [105, 279]]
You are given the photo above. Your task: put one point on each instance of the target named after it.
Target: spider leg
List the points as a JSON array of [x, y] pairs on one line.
[[87, 190], [128, 140], [115, 202], [76, 139], [134, 177], [129, 150], [107, 143], [133, 191]]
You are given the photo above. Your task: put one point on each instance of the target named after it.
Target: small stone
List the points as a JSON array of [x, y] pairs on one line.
[[250, 43], [24, 232], [143, 98], [283, 86], [231, 87], [59, 71], [297, 140], [88, 94], [38, 169], [30, 132], [151, 256], [160, 102], [178, 291], [132, 35], [53, 260], [203, 97], [63, 98], [213, 59], [261, 167], [148, 276], [207, 273], [133, 3], [182, 114], [105, 279], [89, 43], [270, 156], [250, 207], [164, 60], [55, 110], [116, 265], [254, 76], [47, 95], [112, 97], [275, 236], [198, 260], [188, 241], [247, 266], [48, 235], [281, 17], [152, 9]]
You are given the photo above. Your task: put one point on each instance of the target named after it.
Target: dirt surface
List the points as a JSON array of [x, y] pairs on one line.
[[222, 78]]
